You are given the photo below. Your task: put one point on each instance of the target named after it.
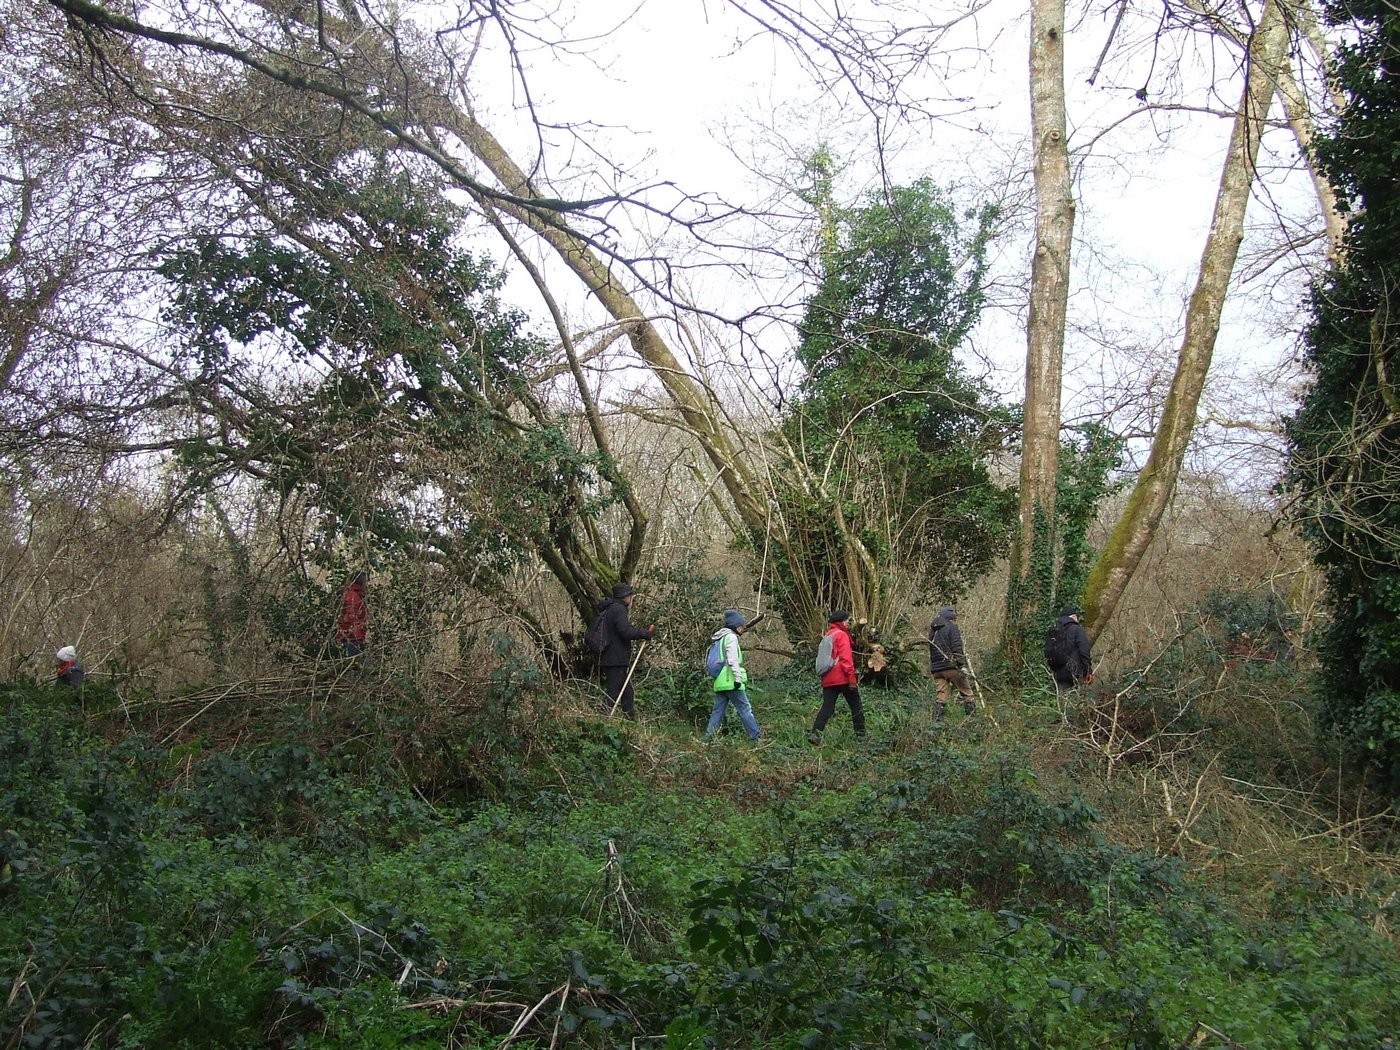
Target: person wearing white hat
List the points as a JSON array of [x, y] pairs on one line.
[[67, 669]]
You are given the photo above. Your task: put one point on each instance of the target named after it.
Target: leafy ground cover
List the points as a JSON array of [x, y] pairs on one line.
[[519, 871]]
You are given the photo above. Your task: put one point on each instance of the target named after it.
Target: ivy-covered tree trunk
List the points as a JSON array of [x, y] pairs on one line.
[[1344, 442], [889, 495], [1030, 587]]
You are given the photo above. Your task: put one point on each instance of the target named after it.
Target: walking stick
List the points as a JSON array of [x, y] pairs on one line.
[[618, 698], [977, 691]]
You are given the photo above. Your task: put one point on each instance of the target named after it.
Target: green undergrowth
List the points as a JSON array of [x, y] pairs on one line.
[[584, 882]]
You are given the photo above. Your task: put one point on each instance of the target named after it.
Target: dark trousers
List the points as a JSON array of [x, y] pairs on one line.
[[829, 695], [615, 677], [354, 651]]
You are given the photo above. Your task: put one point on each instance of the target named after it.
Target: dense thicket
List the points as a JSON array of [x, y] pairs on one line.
[[383, 868], [1344, 458]]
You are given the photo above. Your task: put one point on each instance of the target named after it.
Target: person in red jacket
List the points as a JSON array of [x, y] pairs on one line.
[[353, 626], [841, 680], [67, 670]]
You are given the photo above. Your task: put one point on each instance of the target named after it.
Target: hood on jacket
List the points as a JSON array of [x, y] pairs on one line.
[[945, 616], [721, 633]]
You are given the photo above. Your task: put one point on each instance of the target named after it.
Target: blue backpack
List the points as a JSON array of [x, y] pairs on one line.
[[714, 659]]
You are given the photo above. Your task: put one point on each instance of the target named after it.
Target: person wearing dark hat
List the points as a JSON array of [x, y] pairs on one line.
[[1067, 650], [615, 658], [730, 682], [841, 680], [947, 661], [67, 670], [352, 628]]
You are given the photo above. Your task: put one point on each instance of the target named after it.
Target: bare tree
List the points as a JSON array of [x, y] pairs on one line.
[[412, 88], [1033, 551], [1266, 61]]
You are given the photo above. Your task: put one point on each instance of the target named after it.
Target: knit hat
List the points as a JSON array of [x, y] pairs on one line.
[[66, 654], [622, 590], [1071, 610], [838, 616], [734, 619]]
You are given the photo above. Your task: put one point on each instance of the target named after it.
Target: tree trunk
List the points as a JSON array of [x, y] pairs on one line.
[[1155, 484], [1031, 583]]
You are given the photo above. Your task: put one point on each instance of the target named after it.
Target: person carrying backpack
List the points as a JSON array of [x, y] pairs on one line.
[[352, 627], [841, 680], [731, 678], [1067, 651], [615, 657], [947, 661], [67, 670]]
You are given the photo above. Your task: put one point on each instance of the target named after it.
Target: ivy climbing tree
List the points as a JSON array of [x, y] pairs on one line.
[[1344, 441], [887, 424]]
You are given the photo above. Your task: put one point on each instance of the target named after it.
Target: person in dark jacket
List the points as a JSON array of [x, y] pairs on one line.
[[948, 661], [352, 628], [616, 656], [1073, 663], [841, 680], [67, 670]]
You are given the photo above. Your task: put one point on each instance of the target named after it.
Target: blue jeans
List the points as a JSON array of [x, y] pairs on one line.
[[740, 700]]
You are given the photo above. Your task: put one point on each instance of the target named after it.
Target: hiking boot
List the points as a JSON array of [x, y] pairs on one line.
[[938, 712], [969, 709], [814, 738]]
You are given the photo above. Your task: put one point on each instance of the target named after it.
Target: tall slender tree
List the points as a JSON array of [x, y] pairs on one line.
[[1030, 584], [1147, 502]]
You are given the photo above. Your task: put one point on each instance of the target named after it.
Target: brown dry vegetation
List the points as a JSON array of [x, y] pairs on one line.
[[1184, 753]]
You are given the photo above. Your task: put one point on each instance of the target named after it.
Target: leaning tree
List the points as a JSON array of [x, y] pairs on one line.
[[409, 91], [1278, 53]]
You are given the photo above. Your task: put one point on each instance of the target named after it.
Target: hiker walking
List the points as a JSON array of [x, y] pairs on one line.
[[1067, 650], [840, 680], [731, 679], [948, 661], [67, 670], [615, 658], [352, 628]]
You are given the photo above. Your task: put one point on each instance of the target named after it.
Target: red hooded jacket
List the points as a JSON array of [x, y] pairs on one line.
[[353, 624], [844, 673]]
